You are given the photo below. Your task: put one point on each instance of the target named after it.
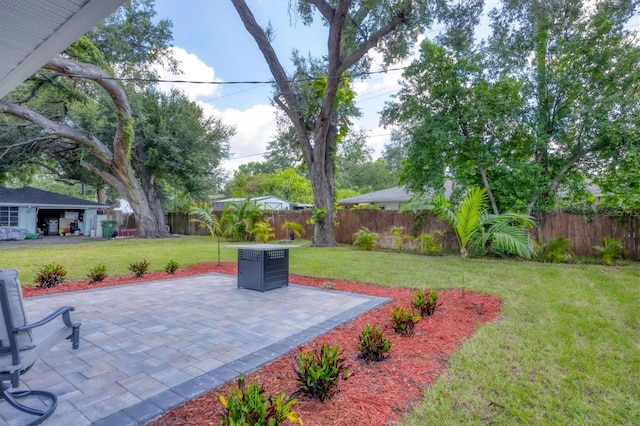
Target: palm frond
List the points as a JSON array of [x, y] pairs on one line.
[[510, 239], [469, 213]]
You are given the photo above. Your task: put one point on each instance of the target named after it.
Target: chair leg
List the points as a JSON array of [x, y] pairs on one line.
[[43, 414]]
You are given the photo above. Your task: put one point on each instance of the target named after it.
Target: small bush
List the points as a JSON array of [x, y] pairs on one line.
[[611, 251], [365, 239], [403, 320], [398, 239], [373, 343], [318, 372], [294, 228], [425, 302], [171, 267], [429, 243], [556, 250], [248, 405], [262, 232], [50, 275], [97, 274], [139, 268]]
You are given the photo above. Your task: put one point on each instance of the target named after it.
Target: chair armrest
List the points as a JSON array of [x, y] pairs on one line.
[[66, 317]]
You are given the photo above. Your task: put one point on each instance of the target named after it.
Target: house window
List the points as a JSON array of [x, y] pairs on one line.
[[8, 216]]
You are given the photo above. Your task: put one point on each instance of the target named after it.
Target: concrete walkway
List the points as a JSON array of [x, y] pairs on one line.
[[149, 347]]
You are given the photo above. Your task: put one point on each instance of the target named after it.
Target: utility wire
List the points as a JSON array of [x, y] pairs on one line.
[[222, 83]]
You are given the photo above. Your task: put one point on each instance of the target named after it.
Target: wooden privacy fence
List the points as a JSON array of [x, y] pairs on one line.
[[584, 231]]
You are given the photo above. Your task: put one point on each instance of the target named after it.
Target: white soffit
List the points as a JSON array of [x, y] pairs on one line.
[[34, 31]]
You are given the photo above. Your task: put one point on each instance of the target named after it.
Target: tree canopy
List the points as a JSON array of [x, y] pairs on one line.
[[76, 119], [547, 102]]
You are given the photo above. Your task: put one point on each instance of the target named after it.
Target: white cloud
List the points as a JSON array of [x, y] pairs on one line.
[[255, 127], [193, 69]]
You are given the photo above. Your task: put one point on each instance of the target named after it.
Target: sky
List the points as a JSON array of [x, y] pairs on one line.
[[213, 45]]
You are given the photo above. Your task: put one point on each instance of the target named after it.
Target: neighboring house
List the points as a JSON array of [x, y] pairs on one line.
[[45, 212], [387, 199], [267, 202]]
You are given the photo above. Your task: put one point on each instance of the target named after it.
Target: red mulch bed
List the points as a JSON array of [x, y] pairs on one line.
[[375, 394]]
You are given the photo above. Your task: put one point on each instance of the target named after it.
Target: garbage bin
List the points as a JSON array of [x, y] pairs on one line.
[[108, 226]]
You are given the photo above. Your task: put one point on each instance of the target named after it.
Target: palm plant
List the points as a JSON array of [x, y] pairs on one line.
[[238, 219], [262, 232], [474, 225], [208, 221]]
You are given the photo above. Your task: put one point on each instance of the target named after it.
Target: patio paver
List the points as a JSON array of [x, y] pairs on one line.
[[149, 347]]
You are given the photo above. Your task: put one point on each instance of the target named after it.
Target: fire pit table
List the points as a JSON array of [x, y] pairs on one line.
[[263, 266]]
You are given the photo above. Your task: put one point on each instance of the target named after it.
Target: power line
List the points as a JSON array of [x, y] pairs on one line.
[[222, 83]]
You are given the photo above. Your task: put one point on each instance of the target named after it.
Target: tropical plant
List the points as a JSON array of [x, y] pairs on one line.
[[293, 227], [373, 343], [262, 232], [238, 219], [318, 371], [50, 275], [398, 238], [403, 320], [171, 267], [425, 302], [208, 221], [365, 239], [429, 243], [139, 268], [248, 405], [611, 251], [97, 274], [555, 250], [473, 224]]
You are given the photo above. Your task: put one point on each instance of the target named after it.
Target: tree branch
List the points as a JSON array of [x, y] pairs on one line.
[[372, 42], [124, 134], [323, 7], [106, 176], [96, 147], [293, 106]]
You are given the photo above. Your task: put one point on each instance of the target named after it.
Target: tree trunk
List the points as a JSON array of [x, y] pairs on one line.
[[324, 234], [117, 170], [156, 225]]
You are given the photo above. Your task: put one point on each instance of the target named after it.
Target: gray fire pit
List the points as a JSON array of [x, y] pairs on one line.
[[263, 266]]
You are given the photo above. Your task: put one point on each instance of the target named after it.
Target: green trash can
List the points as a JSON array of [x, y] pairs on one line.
[[108, 226]]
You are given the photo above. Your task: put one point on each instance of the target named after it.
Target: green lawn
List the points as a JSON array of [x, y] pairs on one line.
[[565, 351]]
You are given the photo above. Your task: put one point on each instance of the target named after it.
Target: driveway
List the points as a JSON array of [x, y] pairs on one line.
[[48, 241]]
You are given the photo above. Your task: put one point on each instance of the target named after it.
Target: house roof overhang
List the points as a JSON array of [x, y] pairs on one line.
[[33, 32]]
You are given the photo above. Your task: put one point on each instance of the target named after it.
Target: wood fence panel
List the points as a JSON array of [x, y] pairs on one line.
[[584, 231]]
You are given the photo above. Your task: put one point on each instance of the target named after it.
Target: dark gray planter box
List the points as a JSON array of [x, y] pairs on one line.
[[263, 266]]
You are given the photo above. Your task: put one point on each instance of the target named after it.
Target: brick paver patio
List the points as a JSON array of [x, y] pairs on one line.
[[149, 347]]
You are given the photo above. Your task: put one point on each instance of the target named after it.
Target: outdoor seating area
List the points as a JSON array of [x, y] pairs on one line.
[[22, 343], [149, 347]]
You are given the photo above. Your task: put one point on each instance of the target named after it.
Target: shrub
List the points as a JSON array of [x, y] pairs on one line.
[[365, 239], [139, 268], [429, 243], [318, 371], [403, 320], [556, 250], [248, 405], [611, 251], [97, 274], [171, 267], [293, 227], [425, 302], [262, 232], [365, 206], [398, 238], [373, 343], [50, 275]]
